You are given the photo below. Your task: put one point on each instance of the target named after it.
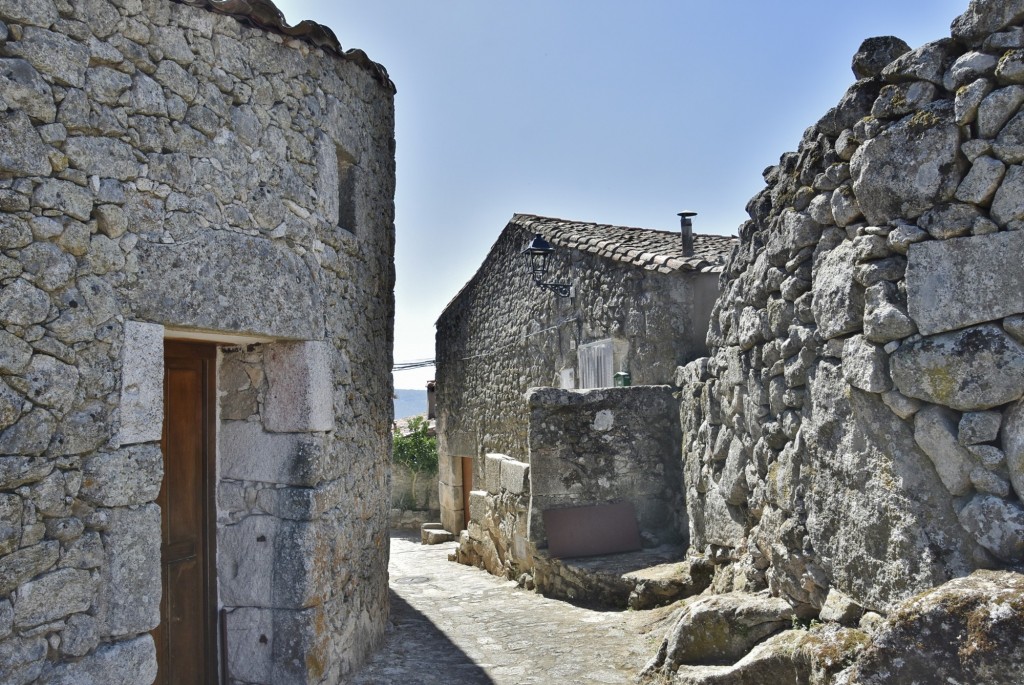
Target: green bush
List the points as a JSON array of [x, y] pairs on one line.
[[416, 450]]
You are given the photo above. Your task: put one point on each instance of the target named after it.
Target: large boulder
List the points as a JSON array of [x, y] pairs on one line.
[[970, 369], [927, 143], [721, 628], [966, 631]]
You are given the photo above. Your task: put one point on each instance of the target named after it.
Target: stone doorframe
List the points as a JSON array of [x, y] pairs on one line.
[[270, 545]]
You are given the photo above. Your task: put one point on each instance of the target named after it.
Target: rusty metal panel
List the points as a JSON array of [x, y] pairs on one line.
[[592, 530]]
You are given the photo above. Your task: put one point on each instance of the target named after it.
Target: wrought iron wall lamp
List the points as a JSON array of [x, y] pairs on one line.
[[538, 252]]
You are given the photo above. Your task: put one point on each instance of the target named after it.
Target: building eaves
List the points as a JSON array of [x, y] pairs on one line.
[[642, 247], [264, 14]]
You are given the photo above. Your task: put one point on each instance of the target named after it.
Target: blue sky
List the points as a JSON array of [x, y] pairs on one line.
[[616, 112]]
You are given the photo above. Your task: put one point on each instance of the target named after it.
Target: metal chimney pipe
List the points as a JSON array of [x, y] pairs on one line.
[[686, 227]]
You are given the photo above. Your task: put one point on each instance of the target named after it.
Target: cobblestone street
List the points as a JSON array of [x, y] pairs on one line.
[[455, 624]]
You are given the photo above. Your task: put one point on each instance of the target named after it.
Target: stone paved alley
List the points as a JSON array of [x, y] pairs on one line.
[[455, 624]]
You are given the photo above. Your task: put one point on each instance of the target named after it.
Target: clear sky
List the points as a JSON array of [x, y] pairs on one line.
[[610, 111]]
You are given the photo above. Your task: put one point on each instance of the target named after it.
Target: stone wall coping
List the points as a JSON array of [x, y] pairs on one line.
[[264, 14]]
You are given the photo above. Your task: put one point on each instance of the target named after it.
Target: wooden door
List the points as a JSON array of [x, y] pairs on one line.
[[186, 637]]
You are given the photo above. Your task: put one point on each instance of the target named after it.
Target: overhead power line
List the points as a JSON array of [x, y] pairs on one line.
[[406, 366]]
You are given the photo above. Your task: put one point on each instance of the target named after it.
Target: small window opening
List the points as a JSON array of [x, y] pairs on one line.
[[347, 172], [596, 360]]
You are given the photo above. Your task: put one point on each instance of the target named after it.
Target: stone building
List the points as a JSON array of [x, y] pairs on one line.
[[640, 304], [196, 238]]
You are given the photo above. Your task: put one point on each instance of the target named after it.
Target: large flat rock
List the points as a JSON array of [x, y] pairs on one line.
[[219, 281], [968, 370], [959, 282]]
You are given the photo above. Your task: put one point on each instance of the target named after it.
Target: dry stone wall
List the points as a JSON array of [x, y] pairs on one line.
[[165, 168], [858, 425]]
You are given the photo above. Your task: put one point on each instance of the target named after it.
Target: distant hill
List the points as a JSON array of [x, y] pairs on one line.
[[410, 403]]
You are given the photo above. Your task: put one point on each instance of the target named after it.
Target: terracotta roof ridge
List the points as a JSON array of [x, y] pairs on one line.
[[265, 15], [566, 225]]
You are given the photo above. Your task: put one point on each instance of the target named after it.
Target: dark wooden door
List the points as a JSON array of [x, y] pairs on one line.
[[186, 637]]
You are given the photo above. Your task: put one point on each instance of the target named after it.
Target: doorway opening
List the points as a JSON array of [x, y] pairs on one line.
[[186, 639]]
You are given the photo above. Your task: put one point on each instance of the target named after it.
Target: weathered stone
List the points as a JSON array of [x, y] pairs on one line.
[[852, 107], [80, 635], [53, 596], [979, 426], [1011, 67], [998, 524], [254, 553], [142, 383], [10, 523], [65, 197], [972, 369], [128, 662], [50, 382], [110, 220], [30, 436], [47, 266], [955, 283], [793, 656], [23, 304], [300, 396], [874, 54], [845, 208], [884, 319], [969, 99], [1007, 204], [899, 99], [964, 631], [53, 54], [130, 589], [21, 658], [14, 353], [872, 498], [184, 284], [85, 552], [1009, 144], [723, 627], [32, 12], [865, 365], [926, 142], [129, 476], [968, 67], [984, 17], [841, 609], [247, 452], [102, 157], [996, 109], [26, 563], [515, 477], [23, 88], [935, 431], [981, 182], [838, 303], [927, 63], [987, 481], [1014, 325], [1012, 436]]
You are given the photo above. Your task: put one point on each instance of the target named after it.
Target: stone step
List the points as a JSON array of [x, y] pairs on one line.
[[434, 535]]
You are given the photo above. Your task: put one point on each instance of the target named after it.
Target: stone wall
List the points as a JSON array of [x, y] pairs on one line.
[[858, 425], [166, 170], [414, 498], [502, 335], [603, 446]]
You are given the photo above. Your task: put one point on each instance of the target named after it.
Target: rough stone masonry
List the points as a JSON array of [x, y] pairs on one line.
[[166, 169]]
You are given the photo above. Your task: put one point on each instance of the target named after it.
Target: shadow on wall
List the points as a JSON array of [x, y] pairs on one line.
[[418, 646]]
